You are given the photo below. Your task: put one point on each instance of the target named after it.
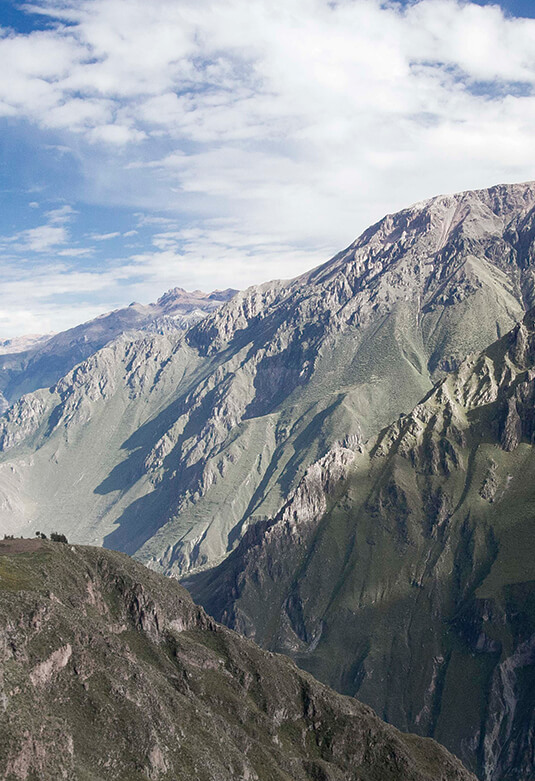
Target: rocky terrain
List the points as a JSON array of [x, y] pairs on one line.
[[29, 363], [403, 571], [109, 671], [167, 446]]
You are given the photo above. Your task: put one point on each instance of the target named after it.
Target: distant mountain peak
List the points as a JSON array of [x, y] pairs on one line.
[[32, 362], [179, 297], [18, 344]]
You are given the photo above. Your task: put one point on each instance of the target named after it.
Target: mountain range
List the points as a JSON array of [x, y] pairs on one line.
[[338, 465], [29, 363], [168, 446]]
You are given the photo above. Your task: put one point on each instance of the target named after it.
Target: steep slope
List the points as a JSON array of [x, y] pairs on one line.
[[168, 446], [403, 572], [42, 361], [108, 671]]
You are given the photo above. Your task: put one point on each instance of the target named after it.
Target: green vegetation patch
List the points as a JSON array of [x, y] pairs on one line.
[[21, 572]]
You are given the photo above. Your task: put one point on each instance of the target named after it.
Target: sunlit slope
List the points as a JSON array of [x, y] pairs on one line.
[[167, 446], [404, 571]]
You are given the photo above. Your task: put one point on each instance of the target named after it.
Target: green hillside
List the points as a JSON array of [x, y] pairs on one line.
[[109, 671]]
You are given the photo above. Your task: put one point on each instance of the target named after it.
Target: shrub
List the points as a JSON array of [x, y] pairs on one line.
[[56, 537]]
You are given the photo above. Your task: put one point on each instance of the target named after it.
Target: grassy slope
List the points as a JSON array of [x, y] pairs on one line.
[[109, 671]]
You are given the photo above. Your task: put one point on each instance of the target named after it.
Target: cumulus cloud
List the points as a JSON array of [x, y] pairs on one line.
[[295, 123]]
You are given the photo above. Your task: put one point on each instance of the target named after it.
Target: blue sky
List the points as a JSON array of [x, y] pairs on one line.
[[208, 144], [522, 8]]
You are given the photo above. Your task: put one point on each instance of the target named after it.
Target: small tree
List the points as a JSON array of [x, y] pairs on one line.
[[56, 537]]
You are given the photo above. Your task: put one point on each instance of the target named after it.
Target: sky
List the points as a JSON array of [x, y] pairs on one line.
[[221, 143]]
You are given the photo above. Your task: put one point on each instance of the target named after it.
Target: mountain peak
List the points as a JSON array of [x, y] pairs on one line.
[[179, 297]]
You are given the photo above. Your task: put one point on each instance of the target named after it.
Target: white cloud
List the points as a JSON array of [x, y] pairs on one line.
[[295, 122], [61, 215], [75, 252], [104, 236], [41, 239], [200, 257], [115, 134], [78, 114]]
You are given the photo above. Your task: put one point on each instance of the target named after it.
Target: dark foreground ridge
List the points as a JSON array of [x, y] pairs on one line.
[[110, 671]]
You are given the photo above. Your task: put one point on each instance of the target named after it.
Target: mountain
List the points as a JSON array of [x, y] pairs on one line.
[[403, 571], [168, 446], [29, 363], [21, 344], [109, 671]]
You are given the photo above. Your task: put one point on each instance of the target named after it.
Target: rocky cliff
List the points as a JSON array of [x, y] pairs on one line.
[[403, 571], [169, 446], [108, 671]]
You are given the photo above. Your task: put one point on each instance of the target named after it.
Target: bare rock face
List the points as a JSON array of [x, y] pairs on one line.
[[168, 445], [402, 571], [108, 671], [23, 420]]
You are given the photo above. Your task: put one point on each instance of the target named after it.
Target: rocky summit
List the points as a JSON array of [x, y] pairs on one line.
[[403, 571], [168, 445], [109, 671]]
